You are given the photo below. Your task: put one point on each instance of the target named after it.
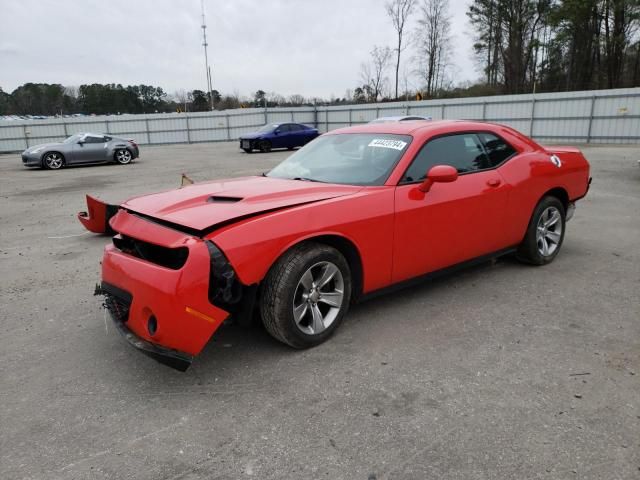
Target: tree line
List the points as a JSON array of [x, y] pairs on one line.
[[520, 46], [113, 99], [55, 99]]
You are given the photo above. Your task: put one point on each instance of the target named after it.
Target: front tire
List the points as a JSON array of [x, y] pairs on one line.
[[545, 233], [265, 146], [53, 160], [306, 295], [123, 156]]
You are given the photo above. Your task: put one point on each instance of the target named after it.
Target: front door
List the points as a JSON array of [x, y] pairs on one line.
[[281, 139], [453, 222], [91, 148]]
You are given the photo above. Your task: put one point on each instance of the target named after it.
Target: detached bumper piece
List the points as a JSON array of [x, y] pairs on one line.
[[96, 218], [117, 302]]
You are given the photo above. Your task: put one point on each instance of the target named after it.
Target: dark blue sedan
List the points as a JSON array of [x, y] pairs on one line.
[[278, 135]]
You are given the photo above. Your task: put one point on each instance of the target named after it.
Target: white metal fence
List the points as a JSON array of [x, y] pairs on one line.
[[603, 116]]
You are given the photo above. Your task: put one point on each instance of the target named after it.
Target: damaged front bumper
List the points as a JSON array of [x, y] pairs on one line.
[[96, 218], [156, 281], [117, 302]]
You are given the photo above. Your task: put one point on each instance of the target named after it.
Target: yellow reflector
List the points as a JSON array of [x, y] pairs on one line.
[[198, 314]]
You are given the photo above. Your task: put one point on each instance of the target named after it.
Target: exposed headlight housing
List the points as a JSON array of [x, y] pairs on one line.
[[225, 290]]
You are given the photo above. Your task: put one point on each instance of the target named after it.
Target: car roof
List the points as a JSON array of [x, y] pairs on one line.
[[423, 130], [412, 128], [399, 118]]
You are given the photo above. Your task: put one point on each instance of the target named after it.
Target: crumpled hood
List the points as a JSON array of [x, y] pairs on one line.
[[205, 205]]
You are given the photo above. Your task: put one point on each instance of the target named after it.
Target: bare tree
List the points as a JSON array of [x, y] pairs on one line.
[[181, 97], [296, 99], [399, 11], [434, 43], [373, 74]]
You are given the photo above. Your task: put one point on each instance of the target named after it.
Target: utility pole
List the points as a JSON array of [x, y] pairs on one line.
[[206, 57]]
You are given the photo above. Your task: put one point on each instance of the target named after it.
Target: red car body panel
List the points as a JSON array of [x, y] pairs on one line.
[[95, 218], [252, 246], [396, 231], [203, 205], [177, 298]]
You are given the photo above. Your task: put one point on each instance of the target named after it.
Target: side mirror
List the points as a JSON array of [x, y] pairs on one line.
[[277, 132], [80, 142], [438, 174]]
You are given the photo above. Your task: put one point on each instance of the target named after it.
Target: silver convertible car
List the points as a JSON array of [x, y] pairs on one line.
[[81, 148]]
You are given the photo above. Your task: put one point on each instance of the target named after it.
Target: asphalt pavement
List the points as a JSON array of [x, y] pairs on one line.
[[502, 371]]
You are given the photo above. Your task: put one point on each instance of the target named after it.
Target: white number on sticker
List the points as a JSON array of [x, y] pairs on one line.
[[384, 143]]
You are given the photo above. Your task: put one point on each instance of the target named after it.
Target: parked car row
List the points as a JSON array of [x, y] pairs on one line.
[[95, 148]]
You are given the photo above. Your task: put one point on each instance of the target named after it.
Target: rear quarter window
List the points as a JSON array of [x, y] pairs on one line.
[[497, 149]]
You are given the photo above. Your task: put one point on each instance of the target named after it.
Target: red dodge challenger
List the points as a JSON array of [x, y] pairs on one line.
[[354, 212]]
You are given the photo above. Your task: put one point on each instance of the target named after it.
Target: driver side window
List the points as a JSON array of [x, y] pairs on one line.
[[92, 139], [463, 151]]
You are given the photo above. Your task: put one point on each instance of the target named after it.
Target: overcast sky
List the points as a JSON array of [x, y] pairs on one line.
[[310, 47]]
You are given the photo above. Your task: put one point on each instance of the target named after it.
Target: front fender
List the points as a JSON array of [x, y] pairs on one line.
[[365, 219]]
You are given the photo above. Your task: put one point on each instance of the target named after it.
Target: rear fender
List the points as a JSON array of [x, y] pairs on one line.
[[96, 218]]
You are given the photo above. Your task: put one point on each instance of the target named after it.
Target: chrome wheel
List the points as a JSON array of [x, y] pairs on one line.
[[318, 298], [123, 156], [549, 231], [53, 160]]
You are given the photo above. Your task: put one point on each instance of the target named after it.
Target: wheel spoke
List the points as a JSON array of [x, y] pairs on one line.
[[553, 237], [333, 299], [553, 219], [317, 326], [300, 311], [307, 280], [545, 247], [328, 273]]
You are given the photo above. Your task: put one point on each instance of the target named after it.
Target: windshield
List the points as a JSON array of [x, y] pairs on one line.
[[349, 158], [268, 128], [72, 138]]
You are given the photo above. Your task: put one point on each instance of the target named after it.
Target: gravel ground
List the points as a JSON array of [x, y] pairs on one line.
[[501, 371]]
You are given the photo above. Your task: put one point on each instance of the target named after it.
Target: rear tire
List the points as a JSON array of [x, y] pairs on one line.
[[545, 233], [123, 156], [306, 295], [265, 146], [247, 150], [53, 160]]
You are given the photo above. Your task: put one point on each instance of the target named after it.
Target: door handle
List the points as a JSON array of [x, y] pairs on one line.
[[494, 182]]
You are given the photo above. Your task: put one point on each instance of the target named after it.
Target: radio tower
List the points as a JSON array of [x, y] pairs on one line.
[[206, 57]]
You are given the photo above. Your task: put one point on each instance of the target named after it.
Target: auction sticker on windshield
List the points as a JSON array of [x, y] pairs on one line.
[[385, 143]]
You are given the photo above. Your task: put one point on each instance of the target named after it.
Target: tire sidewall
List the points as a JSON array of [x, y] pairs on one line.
[[529, 248], [115, 156], [46, 165], [265, 146], [287, 288]]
